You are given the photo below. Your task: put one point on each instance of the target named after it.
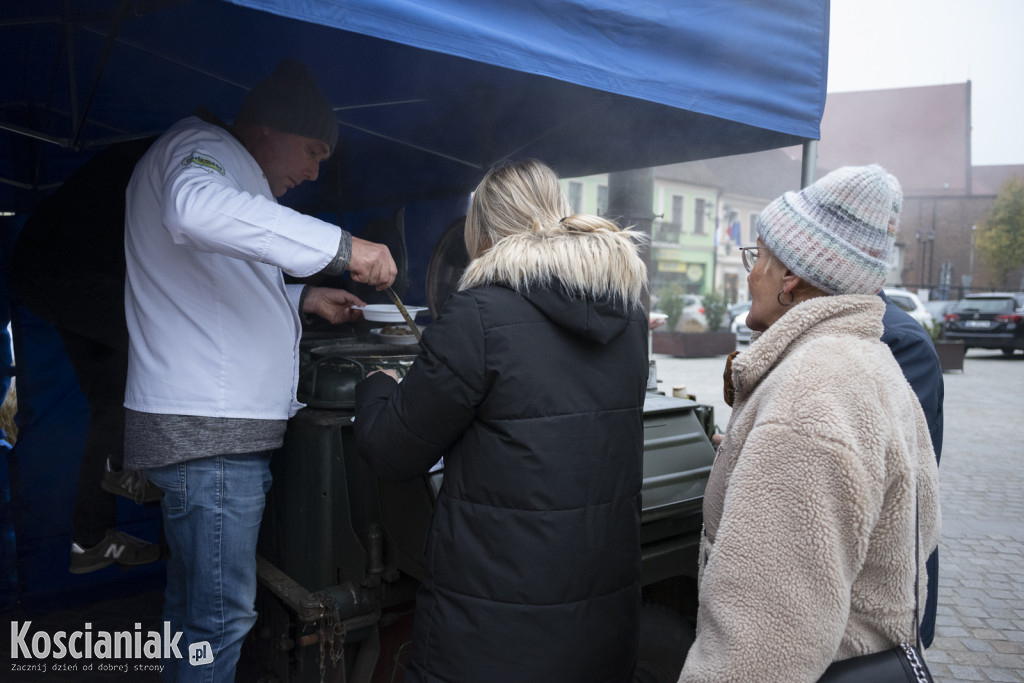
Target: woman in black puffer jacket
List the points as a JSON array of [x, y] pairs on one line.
[[531, 386]]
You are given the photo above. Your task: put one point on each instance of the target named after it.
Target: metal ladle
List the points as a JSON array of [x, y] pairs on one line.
[[405, 314]]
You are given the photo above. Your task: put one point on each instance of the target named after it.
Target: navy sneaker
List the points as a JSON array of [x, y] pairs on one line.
[[116, 546], [130, 484]]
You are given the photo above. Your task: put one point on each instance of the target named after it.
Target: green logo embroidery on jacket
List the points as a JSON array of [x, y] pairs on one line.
[[205, 163]]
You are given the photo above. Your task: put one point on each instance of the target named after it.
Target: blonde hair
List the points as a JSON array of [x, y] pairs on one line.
[[8, 410], [521, 232]]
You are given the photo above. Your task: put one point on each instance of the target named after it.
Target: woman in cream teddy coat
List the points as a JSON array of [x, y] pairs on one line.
[[826, 466]]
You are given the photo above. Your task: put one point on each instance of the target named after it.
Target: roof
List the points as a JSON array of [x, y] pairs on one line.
[[921, 135], [990, 179], [762, 175]]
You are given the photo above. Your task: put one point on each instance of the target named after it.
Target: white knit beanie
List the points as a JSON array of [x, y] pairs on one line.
[[837, 234]]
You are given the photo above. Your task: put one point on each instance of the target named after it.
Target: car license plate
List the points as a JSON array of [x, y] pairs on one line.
[[976, 324]]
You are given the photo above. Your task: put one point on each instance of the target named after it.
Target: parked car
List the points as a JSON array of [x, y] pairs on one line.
[[938, 309], [987, 321], [740, 329], [910, 303], [692, 318], [737, 309], [693, 314]]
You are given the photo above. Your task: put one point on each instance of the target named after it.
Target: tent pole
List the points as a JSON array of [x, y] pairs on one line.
[[101, 65], [631, 203], [69, 42], [810, 163]]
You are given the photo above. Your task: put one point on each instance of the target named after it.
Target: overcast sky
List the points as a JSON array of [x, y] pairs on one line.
[[876, 44]]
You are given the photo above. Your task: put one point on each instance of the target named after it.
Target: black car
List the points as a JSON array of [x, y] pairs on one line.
[[987, 321]]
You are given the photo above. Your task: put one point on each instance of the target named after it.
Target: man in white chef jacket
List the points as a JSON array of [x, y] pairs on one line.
[[214, 338]]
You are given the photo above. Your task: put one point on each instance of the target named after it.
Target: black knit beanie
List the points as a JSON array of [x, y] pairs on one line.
[[290, 101]]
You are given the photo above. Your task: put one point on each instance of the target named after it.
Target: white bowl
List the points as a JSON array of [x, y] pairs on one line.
[[387, 313]]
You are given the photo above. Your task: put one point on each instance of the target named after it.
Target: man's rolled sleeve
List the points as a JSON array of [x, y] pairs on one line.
[[339, 264]]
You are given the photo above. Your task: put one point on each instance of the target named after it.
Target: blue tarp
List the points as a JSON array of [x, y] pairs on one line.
[[707, 56], [428, 95]]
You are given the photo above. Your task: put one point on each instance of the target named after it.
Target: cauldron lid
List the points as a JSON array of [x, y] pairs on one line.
[[363, 349]]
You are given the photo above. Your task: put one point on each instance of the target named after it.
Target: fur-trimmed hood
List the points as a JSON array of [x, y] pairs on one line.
[[595, 265], [587, 282]]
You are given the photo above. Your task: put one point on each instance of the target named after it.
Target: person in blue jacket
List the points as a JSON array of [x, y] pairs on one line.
[[913, 349], [68, 269]]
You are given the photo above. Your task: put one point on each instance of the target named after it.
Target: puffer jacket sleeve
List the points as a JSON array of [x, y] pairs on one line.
[[775, 592], [919, 362], [402, 430]]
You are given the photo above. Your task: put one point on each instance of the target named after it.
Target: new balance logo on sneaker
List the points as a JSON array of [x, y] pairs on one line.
[[129, 484], [114, 551], [116, 546]]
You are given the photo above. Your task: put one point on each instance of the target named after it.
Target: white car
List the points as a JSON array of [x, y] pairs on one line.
[[740, 329], [693, 319], [736, 309], [909, 302]]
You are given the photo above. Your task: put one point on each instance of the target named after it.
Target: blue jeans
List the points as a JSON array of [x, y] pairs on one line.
[[212, 508]]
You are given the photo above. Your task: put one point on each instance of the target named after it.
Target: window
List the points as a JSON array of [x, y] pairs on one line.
[[732, 286], [753, 228], [734, 231], [602, 200], [903, 302], [576, 196], [670, 227], [983, 305], [666, 232], [698, 217], [677, 210]]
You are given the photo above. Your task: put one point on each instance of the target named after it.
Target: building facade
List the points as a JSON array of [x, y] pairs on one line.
[[703, 210]]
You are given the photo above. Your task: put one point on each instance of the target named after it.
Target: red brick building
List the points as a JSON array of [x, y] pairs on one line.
[[923, 136]]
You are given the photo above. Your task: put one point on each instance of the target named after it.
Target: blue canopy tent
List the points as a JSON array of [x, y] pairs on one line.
[[428, 95]]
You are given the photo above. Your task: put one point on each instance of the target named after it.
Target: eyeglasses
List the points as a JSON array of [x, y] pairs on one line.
[[749, 255]]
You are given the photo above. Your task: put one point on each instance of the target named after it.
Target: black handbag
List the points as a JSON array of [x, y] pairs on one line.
[[899, 664], [895, 665]]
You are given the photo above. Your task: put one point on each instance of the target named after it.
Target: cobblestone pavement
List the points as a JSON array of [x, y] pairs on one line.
[[980, 623]]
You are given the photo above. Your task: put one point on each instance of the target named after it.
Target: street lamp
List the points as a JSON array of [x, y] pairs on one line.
[[926, 255], [970, 276], [931, 256]]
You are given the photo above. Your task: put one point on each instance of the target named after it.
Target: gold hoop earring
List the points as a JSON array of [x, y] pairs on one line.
[[778, 297]]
